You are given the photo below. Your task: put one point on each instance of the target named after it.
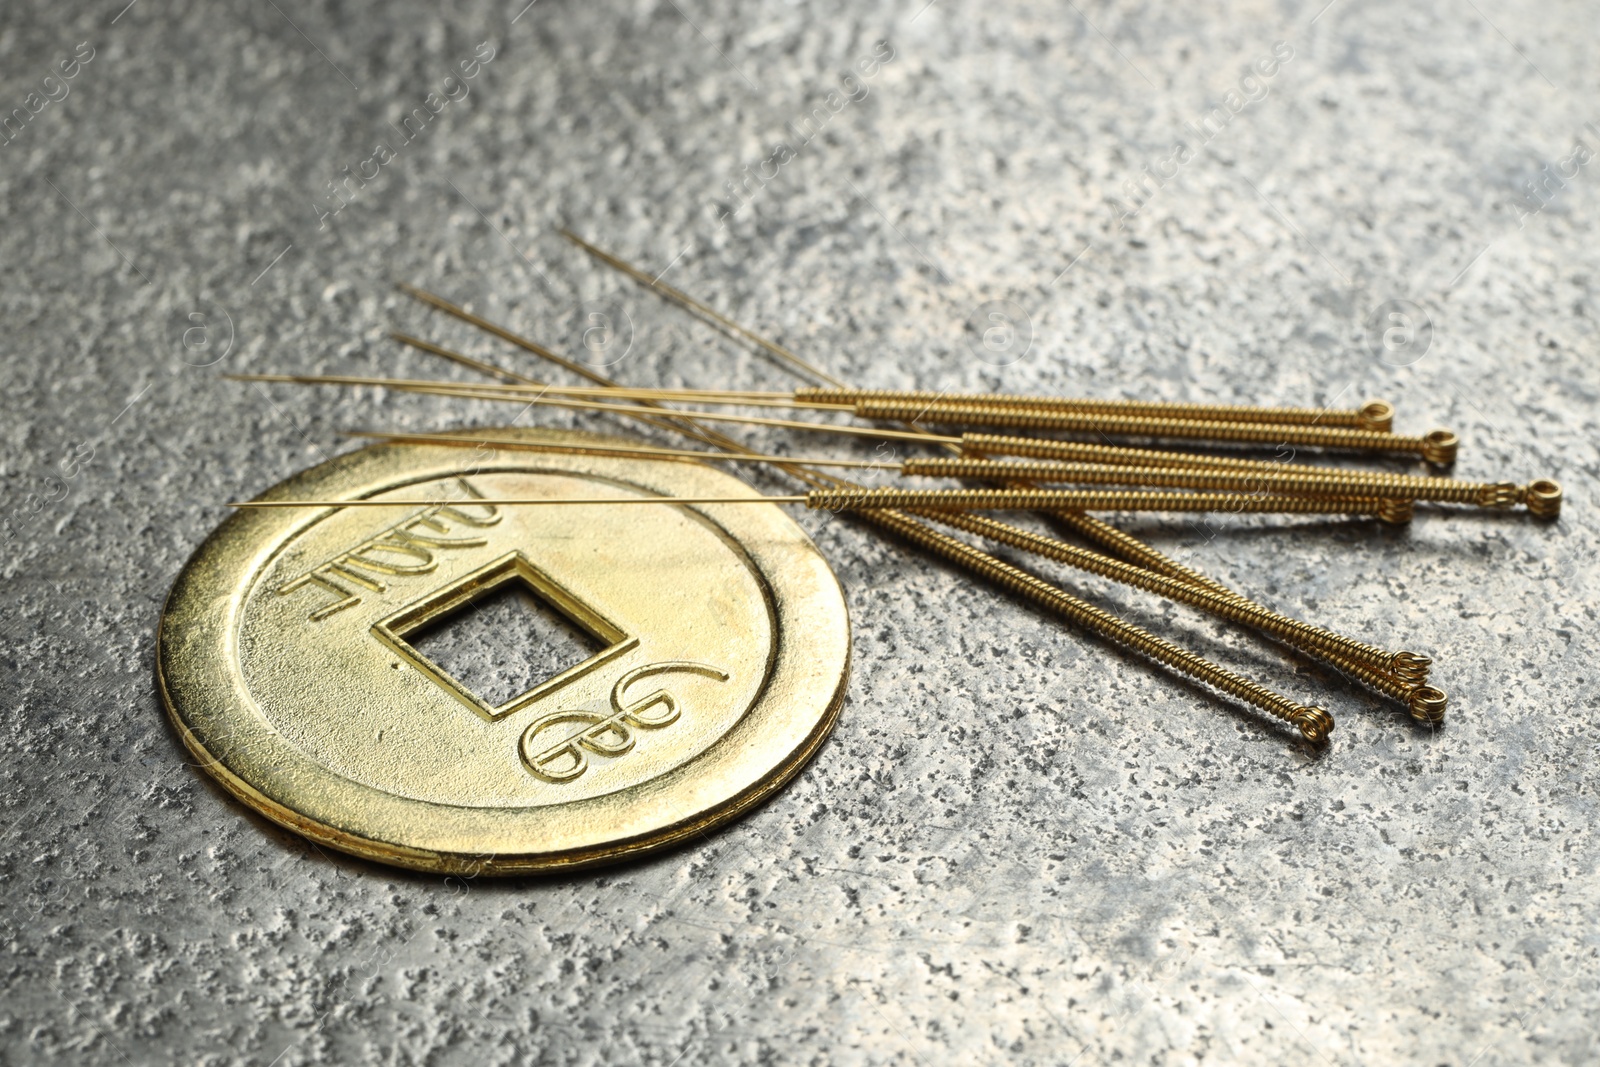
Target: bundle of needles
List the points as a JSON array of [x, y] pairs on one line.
[[1029, 476]]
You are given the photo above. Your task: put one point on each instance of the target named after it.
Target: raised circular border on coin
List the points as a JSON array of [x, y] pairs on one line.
[[204, 687]]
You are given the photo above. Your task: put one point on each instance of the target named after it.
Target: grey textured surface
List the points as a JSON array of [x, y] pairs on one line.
[[1020, 847]]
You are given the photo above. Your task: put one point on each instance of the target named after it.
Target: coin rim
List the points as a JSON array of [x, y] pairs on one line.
[[744, 770]]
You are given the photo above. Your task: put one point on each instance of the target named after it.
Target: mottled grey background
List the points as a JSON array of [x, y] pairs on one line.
[[1021, 846]]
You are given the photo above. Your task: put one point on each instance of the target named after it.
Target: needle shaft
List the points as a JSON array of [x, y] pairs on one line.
[[520, 501], [716, 318], [533, 395], [585, 447]]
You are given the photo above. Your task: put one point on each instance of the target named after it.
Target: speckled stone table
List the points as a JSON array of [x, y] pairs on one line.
[[1021, 846]]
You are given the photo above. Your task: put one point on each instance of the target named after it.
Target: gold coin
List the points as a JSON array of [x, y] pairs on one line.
[[288, 657]]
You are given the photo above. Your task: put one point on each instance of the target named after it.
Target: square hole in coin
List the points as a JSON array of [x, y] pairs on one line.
[[505, 642]]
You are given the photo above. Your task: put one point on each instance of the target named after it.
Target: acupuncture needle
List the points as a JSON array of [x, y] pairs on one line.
[[970, 443], [1374, 416], [1418, 489], [1438, 446], [1542, 497], [861, 499], [535, 395], [851, 400]]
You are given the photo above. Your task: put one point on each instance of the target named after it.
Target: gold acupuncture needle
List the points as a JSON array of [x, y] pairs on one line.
[[849, 399], [1305, 481], [979, 445], [1313, 723], [860, 499], [522, 501], [1094, 528], [1437, 446], [1374, 415], [684, 300], [1543, 496], [1131, 416], [970, 443], [526, 395]]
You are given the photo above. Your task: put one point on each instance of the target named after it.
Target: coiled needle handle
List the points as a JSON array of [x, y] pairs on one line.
[[1097, 500], [1438, 447], [1374, 415], [1314, 724], [1398, 675], [1314, 483]]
